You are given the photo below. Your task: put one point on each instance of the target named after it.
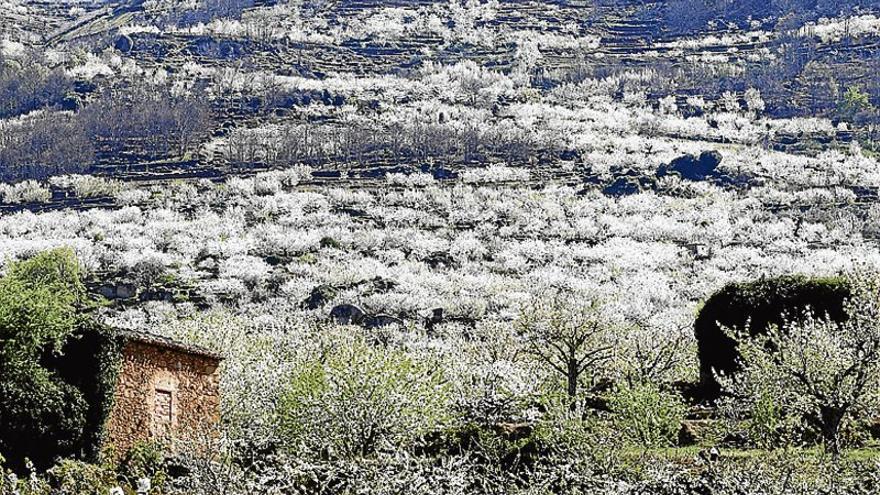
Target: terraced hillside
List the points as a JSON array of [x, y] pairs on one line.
[[391, 195]]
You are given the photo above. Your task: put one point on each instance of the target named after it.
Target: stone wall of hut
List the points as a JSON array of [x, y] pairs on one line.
[[163, 395]]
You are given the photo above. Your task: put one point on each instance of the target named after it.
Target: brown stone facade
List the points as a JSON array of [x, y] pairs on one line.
[[163, 393]]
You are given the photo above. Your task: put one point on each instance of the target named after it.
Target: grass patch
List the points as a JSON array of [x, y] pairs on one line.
[[682, 454]]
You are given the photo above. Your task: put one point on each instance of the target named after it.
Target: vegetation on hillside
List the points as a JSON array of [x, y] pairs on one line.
[[466, 246]]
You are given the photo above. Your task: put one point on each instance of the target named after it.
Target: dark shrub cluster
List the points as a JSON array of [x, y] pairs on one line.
[[755, 306], [56, 366], [47, 145]]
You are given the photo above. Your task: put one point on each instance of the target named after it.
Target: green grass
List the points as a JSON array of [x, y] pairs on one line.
[[685, 454]]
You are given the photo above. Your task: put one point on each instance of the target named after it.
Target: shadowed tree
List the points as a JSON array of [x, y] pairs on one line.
[[41, 416]]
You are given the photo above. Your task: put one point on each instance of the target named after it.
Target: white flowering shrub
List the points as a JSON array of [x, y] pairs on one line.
[[411, 180], [668, 105], [28, 191], [89, 186], [754, 102], [266, 184], [131, 197], [249, 269], [494, 173], [356, 400], [730, 102], [240, 187]]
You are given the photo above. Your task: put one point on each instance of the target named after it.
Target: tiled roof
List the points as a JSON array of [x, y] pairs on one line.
[[160, 341]]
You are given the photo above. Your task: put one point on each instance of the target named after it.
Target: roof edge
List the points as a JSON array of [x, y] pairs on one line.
[[166, 342]]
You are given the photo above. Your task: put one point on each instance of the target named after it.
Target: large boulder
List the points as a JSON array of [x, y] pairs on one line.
[[694, 167], [124, 44], [324, 294], [623, 186], [347, 314], [755, 306], [122, 290]]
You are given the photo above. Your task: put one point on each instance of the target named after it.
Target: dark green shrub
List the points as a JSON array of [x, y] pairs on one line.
[[757, 305], [144, 460], [41, 415], [90, 362], [330, 243]]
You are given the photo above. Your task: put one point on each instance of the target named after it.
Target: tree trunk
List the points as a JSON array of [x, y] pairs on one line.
[[831, 419], [572, 377]]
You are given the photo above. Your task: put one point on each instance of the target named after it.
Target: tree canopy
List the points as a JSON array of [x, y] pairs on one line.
[[41, 415]]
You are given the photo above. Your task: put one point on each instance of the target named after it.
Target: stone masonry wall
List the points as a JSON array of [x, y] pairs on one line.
[[162, 394]]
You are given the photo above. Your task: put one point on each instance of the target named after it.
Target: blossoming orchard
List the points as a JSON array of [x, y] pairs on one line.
[[457, 247]]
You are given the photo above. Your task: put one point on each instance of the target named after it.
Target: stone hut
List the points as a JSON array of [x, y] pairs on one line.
[[165, 390]]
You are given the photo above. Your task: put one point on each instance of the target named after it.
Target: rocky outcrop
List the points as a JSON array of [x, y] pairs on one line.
[[381, 321], [347, 314], [325, 294], [124, 44], [118, 291], [693, 167]]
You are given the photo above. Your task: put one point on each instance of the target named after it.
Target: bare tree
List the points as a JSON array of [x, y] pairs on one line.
[[149, 122], [30, 84], [569, 335], [189, 119], [654, 348], [43, 146]]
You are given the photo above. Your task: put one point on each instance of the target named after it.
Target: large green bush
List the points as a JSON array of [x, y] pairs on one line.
[[646, 415], [41, 416], [71, 477], [755, 306]]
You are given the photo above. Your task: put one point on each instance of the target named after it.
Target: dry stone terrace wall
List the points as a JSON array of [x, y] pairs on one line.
[[162, 393]]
